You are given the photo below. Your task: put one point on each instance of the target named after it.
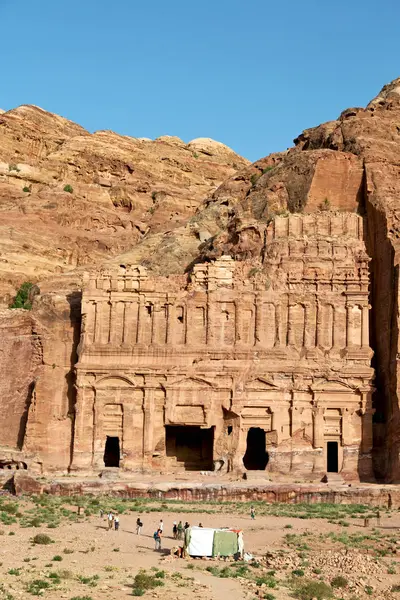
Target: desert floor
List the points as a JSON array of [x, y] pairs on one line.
[[296, 551]]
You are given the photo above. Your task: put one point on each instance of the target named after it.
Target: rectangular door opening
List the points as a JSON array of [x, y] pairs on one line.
[[192, 446], [256, 457], [112, 452], [332, 457]]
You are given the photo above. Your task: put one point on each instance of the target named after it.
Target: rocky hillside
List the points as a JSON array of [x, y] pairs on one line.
[[351, 163], [70, 198]]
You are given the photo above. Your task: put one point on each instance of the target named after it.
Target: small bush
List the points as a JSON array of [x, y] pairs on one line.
[[267, 169], [395, 588], [269, 597], [16, 572], [21, 300], [26, 189], [42, 539], [309, 590], [13, 167], [37, 586], [339, 582], [138, 592], [254, 178], [68, 551], [68, 188], [82, 598], [57, 558], [325, 205], [369, 590], [288, 526], [298, 573], [144, 581]]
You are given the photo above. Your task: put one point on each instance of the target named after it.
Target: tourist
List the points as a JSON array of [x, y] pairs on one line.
[[180, 530], [157, 539], [252, 512], [187, 525], [101, 513], [110, 519], [139, 526], [116, 523], [200, 524], [174, 530], [161, 526]]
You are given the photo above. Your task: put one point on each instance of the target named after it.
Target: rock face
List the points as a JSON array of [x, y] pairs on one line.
[[264, 347], [237, 370], [119, 189]]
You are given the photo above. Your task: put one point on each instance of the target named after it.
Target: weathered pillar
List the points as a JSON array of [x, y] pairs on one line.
[[365, 327], [318, 427], [290, 324], [112, 337], [277, 422], [83, 431], [211, 332], [278, 321], [258, 321], [149, 405], [309, 330], [347, 438], [97, 327], [349, 326]]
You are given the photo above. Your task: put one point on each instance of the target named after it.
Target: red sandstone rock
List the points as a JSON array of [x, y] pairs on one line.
[[310, 263]]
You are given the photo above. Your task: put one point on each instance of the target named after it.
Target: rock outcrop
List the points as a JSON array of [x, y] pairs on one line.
[[70, 198], [349, 166]]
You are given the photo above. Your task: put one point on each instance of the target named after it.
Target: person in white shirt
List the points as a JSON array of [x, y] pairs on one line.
[[161, 526]]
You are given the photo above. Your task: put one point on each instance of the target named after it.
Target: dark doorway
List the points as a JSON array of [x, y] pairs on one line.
[[112, 452], [332, 457], [256, 457], [191, 446]]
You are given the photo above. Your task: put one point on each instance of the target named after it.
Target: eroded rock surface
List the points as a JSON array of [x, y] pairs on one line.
[[288, 221], [119, 189]]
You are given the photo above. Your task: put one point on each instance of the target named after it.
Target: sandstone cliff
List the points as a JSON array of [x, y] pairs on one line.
[[349, 164], [70, 198]]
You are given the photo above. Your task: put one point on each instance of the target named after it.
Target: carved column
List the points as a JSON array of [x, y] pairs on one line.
[[309, 332], [148, 424], [83, 430], [258, 322], [291, 339], [112, 336], [211, 333], [277, 422], [318, 427], [278, 319], [365, 326], [347, 438], [349, 328], [97, 328]]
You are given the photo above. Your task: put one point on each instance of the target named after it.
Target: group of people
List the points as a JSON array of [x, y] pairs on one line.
[[112, 520]]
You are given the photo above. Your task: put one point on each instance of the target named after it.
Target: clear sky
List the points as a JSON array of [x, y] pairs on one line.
[[250, 73]]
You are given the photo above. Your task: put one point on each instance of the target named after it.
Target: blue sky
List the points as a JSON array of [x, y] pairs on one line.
[[249, 73]]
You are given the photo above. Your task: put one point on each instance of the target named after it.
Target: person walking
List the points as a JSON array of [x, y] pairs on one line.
[[116, 522], [110, 519], [174, 530], [157, 539], [161, 526], [139, 526], [180, 530], [252, 512]]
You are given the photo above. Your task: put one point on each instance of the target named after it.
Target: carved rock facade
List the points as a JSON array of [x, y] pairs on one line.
[[265, 370]]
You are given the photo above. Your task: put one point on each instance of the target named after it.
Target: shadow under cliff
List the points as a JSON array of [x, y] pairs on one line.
[[75, 303], [384, 334]]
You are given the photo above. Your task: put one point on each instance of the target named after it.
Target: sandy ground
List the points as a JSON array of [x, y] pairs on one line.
[[116, 556]]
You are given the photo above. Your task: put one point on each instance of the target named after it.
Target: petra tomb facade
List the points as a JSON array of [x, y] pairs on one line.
[[229, 370]]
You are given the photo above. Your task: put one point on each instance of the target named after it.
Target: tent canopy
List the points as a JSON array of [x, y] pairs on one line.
[[208, 541]]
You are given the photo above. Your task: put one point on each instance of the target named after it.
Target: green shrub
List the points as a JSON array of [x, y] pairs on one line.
[[298, 573], [37, 586], [339, 582], [138, 592], [57, 558], [395, 588], [267, 169], [307, 590], [325, 205], [43, 539], [269, 597], [144, 581], [26, 189], [254, 178], [68, 188], [91, 581], [269, 581], [16, 572], [13, 167], [369, 590], [82, 598], [21, 300]]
